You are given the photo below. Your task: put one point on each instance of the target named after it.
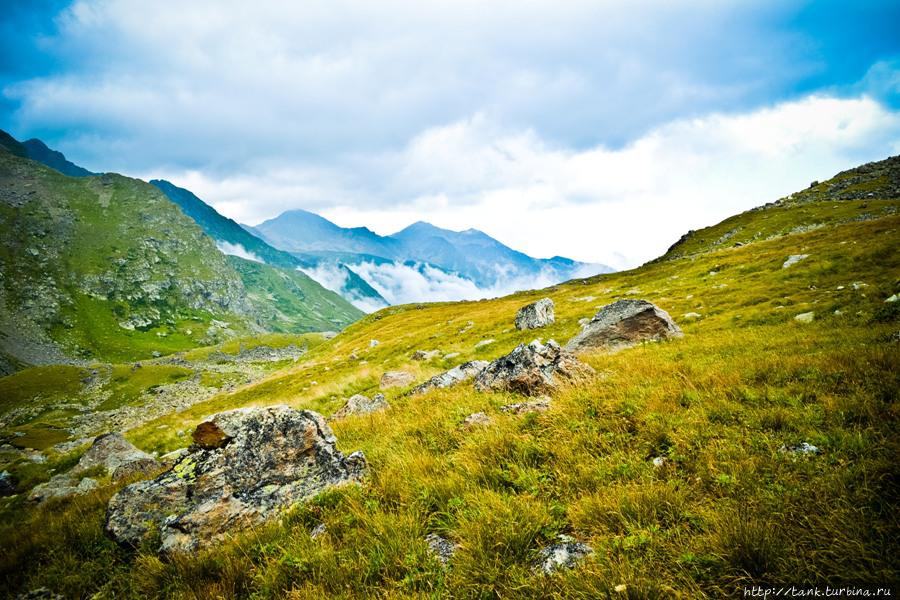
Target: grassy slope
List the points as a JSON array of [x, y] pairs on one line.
[[289, 301], [719, 403]]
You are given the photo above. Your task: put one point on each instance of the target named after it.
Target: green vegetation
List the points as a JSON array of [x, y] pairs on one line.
[[727, 507]]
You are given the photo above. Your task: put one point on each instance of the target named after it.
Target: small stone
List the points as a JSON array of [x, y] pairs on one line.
[[459, 373], [793, 259], [441, 548], [451, 355], [425, 354], [806, 317], [565, 554], [8, 484], [361, 405], [373, 343], [892, 298], [478, 419], [691, 315], [392, 379], [801, 448], [660, 461], [318, 531], [529, 406], [41, 593], [483, 343]]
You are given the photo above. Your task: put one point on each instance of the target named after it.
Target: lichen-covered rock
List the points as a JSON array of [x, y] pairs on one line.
[[532, 370], [625, 323], [565, 554], [393, 379], [361, 405], [142, 467], [459, 373], [273, 457], [535, 315]]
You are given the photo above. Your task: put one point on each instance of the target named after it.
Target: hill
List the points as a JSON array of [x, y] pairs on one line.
[[676, 462], [107, 267]]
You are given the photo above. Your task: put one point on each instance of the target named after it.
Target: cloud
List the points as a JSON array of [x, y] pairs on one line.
[[618, 206], [237, 250], [335, 278]]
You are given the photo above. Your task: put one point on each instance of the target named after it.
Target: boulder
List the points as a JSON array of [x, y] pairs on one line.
[[273, 457], [393, 379], [532, 370], [111, 451], [625, 323], [361, 405], [459, 373], [565, 554], [535, 315]]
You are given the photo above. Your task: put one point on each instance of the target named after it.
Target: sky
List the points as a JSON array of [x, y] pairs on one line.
[[596, 130]]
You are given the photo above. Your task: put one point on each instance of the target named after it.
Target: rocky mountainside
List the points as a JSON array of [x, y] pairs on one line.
[[232, 238], [108, 267]]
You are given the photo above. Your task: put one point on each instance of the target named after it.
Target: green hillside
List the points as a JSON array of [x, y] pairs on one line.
[[728, 507], [108, 268]]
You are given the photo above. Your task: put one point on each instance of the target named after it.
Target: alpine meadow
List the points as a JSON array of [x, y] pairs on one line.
[[193, 407]]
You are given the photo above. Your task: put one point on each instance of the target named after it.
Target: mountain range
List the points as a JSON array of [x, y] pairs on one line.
[[419, 263]]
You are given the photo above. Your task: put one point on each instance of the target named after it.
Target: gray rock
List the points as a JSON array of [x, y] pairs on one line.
[[373, 343], [807, 317], [425, 354], [441, 548], [140, 468], [61, 486], [565, 554], [8, 484], [393, 379], [529, 406], [318, 531], [474, 420], [112, 451], [245, 466], [484, 343], [459, 373], [691, 315], [535, 315], [532, 370], [801, 448], [361, 405], [793, 259], [625, 323]]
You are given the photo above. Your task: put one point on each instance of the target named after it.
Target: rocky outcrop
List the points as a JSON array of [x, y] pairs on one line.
[[245, 466], [361, 405], [535, 315], [393, 379], [459, 373], [625, 323], [111, 451], [532, 369], [565, 554]]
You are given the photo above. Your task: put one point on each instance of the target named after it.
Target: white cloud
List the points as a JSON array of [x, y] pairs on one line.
[[334, 278], [237, 250], [615, 206]]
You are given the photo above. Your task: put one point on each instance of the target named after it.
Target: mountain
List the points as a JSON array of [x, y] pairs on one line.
[[108, 267], [421, 262], [39, 151], [235, 239]]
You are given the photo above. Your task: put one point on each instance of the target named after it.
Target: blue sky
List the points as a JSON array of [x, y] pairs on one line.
[[597, 130]]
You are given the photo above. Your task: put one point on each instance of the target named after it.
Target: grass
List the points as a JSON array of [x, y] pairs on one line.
[[726, 508]]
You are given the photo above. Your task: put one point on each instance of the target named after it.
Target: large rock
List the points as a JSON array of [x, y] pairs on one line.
[[625, 323], [393, 379], [535, 315], [264, 460], [459, 373], [532, 370], [361, 405], [111, 451]]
